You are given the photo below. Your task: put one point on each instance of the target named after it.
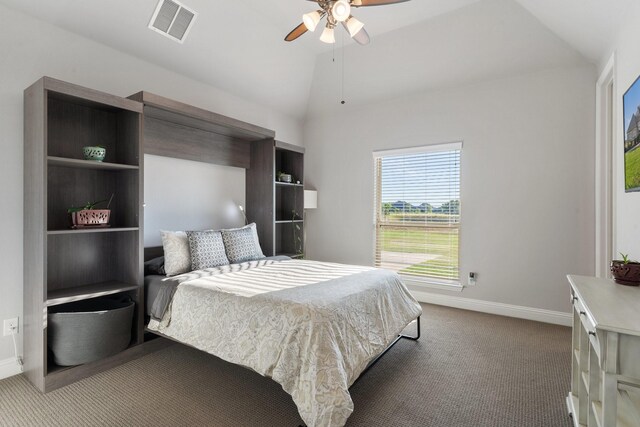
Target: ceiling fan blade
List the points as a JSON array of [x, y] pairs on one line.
[[296, 32], [362, 3]]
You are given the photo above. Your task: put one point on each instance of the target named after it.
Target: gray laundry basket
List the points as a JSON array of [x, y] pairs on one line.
[[84, 331]]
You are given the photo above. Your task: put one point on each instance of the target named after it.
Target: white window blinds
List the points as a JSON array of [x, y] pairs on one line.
[[417, 211]]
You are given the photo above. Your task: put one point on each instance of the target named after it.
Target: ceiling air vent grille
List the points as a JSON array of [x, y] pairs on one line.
[[172, 19]]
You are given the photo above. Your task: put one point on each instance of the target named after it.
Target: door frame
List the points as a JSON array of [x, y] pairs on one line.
[[606, 119]]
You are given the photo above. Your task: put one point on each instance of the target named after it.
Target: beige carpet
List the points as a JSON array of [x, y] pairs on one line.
[[468, 369]]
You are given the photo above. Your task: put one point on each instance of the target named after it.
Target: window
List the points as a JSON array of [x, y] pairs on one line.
[[417, 212]]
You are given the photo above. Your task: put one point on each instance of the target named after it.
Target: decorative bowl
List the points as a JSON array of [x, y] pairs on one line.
[[626, 273], [88, 218], [94, 153], [285, 177]]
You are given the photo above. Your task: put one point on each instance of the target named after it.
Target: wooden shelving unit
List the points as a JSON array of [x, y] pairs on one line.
[[61, 264], [276, 207]]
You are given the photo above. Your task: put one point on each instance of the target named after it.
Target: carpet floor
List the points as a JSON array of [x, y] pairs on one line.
[[468, 369]]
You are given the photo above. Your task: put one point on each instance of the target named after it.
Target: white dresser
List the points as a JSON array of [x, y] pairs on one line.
[[605, 368]]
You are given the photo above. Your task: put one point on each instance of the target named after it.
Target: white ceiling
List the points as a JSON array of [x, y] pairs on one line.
[[590, 26], [487, 40], [238, 46]]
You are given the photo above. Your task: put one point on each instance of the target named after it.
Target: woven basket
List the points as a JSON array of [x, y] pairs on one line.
[[85, 331], [91, 217]]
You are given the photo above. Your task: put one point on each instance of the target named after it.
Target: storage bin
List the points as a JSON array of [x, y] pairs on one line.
[[85, 331]]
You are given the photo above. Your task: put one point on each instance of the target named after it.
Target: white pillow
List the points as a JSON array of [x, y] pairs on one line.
[[177, 257]]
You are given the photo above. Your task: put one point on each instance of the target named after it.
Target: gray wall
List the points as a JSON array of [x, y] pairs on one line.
[[527, 184], [31, 49]]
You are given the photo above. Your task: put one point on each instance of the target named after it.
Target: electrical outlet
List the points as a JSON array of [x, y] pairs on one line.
[[9, 326], [472, 278]]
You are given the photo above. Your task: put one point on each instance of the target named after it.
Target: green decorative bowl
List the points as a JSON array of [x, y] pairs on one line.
[[94, 153]]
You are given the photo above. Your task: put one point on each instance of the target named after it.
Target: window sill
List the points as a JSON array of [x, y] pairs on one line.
[[432, 284]]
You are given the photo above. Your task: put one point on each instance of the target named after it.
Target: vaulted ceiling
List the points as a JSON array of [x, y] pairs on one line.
[[238, 46]]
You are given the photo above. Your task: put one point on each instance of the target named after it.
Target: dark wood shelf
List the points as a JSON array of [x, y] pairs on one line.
[[79, 293], [92, 230], [53, 369], [59, 376], [88, 164], [287, 184], [290, 255]]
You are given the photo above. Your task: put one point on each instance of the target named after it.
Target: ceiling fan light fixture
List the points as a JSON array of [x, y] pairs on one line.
[[311, 20], [354, 26], [341, 10], [328, 35]]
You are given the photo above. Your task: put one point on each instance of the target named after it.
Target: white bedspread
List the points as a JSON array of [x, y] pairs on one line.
[[312, 327]]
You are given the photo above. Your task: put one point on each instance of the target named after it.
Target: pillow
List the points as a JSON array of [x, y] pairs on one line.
[[241, 244], [177, 258], [207, 249], [154, 266]]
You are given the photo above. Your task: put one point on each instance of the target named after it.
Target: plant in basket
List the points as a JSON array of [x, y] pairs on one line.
[[626, 272], [88, 217]]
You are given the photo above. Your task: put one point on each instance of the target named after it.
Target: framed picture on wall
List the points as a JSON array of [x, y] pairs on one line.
[[631, 105]]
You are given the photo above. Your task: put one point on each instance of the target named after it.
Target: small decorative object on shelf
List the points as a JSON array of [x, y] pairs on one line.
[[285, 177], [626, 272], [88, 217], [95, 153]]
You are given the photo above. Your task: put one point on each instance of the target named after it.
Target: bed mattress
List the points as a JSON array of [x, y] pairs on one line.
[[312, 327]]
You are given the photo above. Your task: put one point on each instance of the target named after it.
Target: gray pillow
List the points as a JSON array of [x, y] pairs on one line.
[[241, 244], [207, 249]]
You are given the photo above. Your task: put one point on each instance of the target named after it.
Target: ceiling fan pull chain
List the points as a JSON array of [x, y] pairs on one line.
[[343, 101]]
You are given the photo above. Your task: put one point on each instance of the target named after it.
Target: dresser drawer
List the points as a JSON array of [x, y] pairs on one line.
[[587, 324]]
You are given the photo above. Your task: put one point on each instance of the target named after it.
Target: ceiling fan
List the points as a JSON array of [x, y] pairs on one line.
[[337, 11]]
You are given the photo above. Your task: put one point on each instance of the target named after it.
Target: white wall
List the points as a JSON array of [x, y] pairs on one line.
[[186, 195], [526, 184], [627, 205], [30, 49]]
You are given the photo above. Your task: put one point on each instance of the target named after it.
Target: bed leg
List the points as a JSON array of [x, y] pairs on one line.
[[417, 336], [413, 338]]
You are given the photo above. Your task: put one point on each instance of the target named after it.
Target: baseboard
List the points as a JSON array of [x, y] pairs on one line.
[[521, 312], [9, 368]]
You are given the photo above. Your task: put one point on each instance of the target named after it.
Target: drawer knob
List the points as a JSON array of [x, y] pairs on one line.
[[592, 333], [583, 313]]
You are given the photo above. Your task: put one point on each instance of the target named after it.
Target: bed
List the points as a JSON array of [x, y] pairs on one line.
[[313, 327]]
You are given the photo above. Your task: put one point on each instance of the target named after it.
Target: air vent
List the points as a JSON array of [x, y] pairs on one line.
[[172, 19]]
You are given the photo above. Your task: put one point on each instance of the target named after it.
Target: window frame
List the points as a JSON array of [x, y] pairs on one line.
[[417, 281]]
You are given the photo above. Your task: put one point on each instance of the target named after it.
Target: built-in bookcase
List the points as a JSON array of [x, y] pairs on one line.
[[277, 207], [62, 264]]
